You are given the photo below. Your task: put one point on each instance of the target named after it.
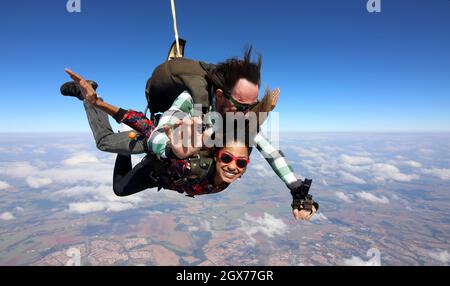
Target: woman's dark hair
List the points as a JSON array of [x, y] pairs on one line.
[[242, 134], [226, 74]]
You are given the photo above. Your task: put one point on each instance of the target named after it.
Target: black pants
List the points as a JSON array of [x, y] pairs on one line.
[[128, 180]]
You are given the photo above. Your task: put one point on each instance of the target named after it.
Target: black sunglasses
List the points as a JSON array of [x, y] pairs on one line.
[[239, 106]]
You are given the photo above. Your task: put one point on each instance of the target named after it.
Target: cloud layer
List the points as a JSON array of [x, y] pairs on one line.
[[7, 216], [82, 179], [374, 259], [4, 185], [266, 224], [343, 197], [443, 174], [36, 183], [442, 256], [373, 198], [89, 207]]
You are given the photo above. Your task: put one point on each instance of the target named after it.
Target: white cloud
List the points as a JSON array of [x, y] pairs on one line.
[[118, 206], [4, 185], [403, 162], [319, 217], [356, 160], [86, 207], [82, 167], [322, 181], [354, 168], [193, 228], [382, 172], [261, 170], [70, 147], [98, 193], [443, 174], [374, 260], [135, 159], [17, 169], [372, 198], [98, 171], [425, 151], [267, 225], [89, 207], [202, 225], [206, 225], [343, 197], [315, 155], [80, 158], [123, 127], [91, 176], [404, 202], [36, 183], [304, 152], [101, 198], [378, 172], [355, 261], [361, 153], [154, 213], [10, 150], [39, 151], [349, 178], [412, 164], [442, 256], [7, 216], [19, 209]]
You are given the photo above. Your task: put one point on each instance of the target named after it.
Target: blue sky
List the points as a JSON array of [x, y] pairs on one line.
[[339, 67]]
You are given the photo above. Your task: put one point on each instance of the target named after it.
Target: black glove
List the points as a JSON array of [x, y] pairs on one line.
[[301, 200]]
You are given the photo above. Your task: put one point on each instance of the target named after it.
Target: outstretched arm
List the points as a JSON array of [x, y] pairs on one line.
[[90, 94], [165, 141], [157, 138], [134, 119], [284, 171], [276, 160]]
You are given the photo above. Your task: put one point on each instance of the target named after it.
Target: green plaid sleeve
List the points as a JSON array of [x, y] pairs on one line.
[[276, 160], [181, 108]]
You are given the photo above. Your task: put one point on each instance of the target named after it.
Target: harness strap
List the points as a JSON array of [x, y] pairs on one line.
[[174, 16]]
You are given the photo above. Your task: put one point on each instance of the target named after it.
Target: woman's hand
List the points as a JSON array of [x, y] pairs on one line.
[[185, 137], [88, 92], [303, 214]]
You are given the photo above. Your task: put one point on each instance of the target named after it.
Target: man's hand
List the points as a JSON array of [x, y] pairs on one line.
[[86, 88], [303, 214], [303, 205], [185, 137]]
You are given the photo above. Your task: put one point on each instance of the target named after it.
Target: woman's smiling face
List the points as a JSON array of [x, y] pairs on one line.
[[229, 171]]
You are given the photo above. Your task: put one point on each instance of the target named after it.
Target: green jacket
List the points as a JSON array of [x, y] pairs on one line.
[[173, 77]]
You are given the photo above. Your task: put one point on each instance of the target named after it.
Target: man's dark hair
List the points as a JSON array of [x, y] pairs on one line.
[[226, 74]]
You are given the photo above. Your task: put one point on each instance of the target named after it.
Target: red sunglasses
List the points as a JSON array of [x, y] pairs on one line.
[[228, 158]]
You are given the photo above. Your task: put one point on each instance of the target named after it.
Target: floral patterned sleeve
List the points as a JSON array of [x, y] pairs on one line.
[[139, 122]]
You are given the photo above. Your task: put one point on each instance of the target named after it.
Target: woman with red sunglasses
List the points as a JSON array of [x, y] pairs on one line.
[[229, 164]]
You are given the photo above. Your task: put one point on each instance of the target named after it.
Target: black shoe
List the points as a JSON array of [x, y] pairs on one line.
[[71, 89]]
